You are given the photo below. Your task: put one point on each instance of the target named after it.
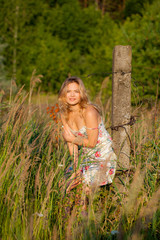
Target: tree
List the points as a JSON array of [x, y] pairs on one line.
[[143, 34]]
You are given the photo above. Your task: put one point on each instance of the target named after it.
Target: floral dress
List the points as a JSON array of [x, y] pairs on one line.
[[98, 164]]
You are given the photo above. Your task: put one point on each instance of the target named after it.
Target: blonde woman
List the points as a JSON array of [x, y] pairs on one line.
[[83, 126]]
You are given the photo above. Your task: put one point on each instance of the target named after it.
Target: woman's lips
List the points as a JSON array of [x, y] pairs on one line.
[[72, 99]]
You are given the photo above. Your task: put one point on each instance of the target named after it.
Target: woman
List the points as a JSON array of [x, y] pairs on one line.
[[83, 126]]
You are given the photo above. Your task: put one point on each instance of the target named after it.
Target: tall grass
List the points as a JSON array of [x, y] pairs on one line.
[[33, 203]]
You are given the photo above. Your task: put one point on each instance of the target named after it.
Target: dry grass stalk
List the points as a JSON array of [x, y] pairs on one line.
[[7, 157], [135, 187], [2, 93], [33, 81], [18, 94], [48, 191], [8, 166], [49, 150], [37, 177], [45, 132], [17, 170], [146, 213], [136, 236], [30, 227], [24, 174], [22, 179], [130, 203], [98, 99], [107, 110], [70, 225], [13, 114], [55, 233], [144, 128]]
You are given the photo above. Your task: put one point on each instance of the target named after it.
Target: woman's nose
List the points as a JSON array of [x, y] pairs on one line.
[[72, 93]]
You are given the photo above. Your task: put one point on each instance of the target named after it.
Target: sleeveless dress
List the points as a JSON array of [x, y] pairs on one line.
[[98, 164]]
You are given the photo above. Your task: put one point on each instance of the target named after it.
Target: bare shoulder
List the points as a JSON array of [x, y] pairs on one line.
[[90, 111]]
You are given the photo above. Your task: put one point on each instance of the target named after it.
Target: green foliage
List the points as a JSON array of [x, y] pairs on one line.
[[33, 199], [3, 83], [135, 7], [60, 38], [143, 34]]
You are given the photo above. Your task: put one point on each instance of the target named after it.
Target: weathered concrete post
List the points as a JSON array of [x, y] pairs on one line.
[[121, 102]]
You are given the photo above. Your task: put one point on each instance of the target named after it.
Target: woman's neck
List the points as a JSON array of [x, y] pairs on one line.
[[75, 108]]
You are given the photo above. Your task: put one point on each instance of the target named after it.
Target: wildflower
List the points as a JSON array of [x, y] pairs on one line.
[[114, 232], [111, 171], [57, 110], [86, 168], [97, 154], [53, 112], [80, 134]]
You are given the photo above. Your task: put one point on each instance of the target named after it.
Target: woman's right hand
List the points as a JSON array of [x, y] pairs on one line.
[[68, 136]]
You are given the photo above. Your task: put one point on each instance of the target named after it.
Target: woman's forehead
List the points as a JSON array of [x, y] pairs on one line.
[[73, 86]]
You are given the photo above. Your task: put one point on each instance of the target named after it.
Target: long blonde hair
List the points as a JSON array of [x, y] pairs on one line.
[[64, 106]]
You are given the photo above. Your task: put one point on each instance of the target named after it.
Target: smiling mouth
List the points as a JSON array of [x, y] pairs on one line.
[[72, 99]]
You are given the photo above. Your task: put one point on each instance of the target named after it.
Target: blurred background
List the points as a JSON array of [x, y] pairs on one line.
[[59, 38]]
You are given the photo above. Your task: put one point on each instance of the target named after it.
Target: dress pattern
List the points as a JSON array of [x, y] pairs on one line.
[[98, 164]]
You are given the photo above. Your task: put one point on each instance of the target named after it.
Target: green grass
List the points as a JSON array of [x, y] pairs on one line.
[[33, 159]]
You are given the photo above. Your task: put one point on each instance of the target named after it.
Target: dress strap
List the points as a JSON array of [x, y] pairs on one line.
[[92, 128]]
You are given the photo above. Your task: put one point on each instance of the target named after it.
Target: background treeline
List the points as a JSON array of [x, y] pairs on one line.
[[70, 37]]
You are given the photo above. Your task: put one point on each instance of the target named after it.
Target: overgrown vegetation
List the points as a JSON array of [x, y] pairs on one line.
[[33, 202]]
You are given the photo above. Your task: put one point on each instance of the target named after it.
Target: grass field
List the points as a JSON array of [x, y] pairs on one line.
[[33, 159]]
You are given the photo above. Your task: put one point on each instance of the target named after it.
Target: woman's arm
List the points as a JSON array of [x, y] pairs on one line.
[[70, 147], [73, 148], [91, 117], [91, 121]]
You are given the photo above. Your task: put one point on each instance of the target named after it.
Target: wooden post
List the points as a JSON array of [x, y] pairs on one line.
[[121, 102]]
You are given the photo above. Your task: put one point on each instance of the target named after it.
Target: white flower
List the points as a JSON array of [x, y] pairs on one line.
[[114, 232]]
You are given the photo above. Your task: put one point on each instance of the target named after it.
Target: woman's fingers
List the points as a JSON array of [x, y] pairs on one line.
[[67, 136], [66, 129]]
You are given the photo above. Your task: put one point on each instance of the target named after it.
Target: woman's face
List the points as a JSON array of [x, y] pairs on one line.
[[73, 94]]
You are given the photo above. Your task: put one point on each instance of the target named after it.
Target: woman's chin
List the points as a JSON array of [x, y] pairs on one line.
[[73, 103]]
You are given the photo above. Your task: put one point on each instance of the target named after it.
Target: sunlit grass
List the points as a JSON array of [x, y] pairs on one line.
[[33, 158]]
